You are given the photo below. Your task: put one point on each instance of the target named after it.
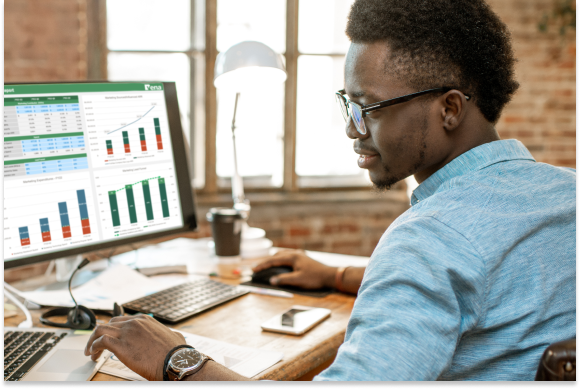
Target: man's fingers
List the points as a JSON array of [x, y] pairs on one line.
[[273, 262], [100, 330], [105, 342], [286, 260], [293, 278]]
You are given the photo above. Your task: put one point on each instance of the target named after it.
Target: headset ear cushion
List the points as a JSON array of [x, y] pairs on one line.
[[85, 319]]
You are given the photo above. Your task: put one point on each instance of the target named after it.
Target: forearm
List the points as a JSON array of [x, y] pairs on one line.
[[351, 279], [213, 371]]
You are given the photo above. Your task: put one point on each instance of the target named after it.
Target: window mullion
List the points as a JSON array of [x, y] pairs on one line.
[[290, 178], [210, 96]]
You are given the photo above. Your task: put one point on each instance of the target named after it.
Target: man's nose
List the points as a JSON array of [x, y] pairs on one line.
[[352, 132]]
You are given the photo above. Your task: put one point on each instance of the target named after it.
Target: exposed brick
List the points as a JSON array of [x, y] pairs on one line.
[[337, 228], [514, 119], [274, 234], [299, 231], [314, 246]]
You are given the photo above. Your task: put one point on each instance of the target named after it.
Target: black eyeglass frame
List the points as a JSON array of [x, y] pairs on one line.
[[396, 100]]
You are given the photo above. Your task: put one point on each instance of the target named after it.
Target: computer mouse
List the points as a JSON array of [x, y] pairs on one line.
[[263, 276]]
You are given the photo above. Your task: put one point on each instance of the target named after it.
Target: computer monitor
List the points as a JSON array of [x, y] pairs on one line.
[[90, 166]]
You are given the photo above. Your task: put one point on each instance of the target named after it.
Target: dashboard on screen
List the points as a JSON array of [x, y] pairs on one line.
[[86, 164]]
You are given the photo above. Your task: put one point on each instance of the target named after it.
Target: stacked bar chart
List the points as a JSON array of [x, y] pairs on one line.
[[158, 134], [45, 229], [126, 142], [109, 147], [84, 212], [24, 236], [142, 139], [65, 224]]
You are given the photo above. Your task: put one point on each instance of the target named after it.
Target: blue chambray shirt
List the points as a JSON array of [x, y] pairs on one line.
[[475, 280]]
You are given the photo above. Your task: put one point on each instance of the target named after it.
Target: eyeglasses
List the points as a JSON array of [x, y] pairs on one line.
[[357, 112]]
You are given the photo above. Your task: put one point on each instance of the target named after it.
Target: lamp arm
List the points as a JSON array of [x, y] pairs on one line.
[[237, 183]]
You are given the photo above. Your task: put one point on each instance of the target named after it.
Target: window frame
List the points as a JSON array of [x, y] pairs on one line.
[[213, 186]]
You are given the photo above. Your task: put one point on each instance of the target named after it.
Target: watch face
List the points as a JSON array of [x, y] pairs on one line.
[[186, 358]]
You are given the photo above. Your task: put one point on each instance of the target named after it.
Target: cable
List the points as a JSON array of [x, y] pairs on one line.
[[26, 323]]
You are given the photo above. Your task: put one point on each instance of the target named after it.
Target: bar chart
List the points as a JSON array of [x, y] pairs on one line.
[[42, 214], [137, 199], [127, 129]]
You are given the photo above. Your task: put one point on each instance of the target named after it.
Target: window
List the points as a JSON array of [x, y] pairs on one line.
[[283, 143]]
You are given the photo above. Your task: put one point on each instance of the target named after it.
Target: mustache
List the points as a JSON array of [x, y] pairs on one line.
[[360, 148]]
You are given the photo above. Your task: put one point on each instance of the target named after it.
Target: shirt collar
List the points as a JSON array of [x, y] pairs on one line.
[[475, 159]]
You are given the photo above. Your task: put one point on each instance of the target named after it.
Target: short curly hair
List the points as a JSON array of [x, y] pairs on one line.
[[458, 43]]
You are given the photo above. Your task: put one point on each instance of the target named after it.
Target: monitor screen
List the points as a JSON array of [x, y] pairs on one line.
[[91, 165]]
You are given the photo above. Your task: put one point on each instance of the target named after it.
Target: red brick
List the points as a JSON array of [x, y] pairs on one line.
[[337, 228], [299, 231], [514, 119], [565, 162]]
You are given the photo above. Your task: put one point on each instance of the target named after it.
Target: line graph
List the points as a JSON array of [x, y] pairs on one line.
[[127, 128], [142, 116]]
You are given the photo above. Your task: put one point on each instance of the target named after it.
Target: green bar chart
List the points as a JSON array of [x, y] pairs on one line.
[[147, 198], [131, 203], [163, 195], [139, 205], [114, 208]]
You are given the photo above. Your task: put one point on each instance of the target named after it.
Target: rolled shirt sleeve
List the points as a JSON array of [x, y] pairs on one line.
[[422, 289]]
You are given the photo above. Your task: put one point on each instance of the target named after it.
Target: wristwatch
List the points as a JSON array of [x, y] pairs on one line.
[[185, 362]]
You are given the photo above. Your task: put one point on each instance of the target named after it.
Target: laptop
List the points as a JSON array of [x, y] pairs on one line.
[[46, 354]]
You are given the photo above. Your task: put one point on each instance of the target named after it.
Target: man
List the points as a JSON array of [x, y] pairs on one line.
[[477, 278]]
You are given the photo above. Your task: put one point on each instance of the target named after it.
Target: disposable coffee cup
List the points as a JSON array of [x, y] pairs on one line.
[[226, 228]]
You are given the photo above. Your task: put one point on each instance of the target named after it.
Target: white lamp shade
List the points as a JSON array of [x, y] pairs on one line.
[[248, 64]]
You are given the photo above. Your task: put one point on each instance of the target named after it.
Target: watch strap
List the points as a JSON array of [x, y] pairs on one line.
[[169, 354]]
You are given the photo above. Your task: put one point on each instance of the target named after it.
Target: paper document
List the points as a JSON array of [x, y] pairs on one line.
[[117, 284], [338, 260], [243, 360]]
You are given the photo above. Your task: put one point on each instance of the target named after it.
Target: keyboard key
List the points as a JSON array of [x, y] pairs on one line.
[[31, 362]]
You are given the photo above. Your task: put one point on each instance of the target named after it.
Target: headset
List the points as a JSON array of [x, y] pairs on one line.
[[79, 317]]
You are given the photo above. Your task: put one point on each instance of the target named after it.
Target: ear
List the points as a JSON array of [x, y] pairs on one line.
[[452, 109]]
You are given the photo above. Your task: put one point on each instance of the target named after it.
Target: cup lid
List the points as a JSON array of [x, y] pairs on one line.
[[223, 213]]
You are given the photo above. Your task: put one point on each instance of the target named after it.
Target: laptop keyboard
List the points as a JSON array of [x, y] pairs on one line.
[[23, 349], [184, 300]]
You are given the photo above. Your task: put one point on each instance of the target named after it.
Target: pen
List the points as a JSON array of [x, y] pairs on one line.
[[268, 292]]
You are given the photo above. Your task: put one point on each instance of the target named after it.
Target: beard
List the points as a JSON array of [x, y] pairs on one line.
[[386, 182], [388, 179]]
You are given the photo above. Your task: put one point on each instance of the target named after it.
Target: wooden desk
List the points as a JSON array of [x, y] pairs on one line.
[[238, 322]]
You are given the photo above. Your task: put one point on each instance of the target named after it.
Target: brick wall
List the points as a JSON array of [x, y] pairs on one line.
[[543, 112], [346, 227], [46, 40]]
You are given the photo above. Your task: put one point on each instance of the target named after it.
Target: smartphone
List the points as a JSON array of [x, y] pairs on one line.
[[297, 320]]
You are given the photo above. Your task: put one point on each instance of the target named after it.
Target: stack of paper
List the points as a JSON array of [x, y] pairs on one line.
[[243, 360]]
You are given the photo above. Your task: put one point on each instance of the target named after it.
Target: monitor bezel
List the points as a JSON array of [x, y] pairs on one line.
[[186, 193]]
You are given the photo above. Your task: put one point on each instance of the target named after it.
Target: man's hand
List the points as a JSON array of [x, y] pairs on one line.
[[140, 342], [307, 274]]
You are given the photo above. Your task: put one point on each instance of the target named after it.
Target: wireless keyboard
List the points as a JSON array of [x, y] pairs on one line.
[[185, 300]]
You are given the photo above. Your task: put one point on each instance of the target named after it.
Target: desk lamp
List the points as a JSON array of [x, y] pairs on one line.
[[245, 66]]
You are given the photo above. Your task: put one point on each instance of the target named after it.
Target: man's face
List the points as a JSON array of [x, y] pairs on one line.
[[402, 139]]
